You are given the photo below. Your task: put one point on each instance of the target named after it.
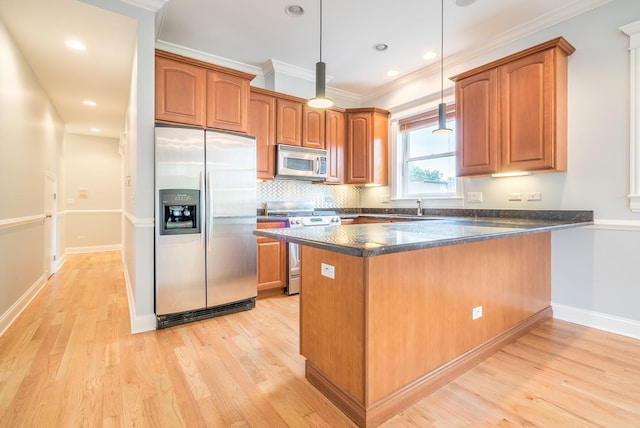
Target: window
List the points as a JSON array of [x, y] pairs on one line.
[[428, 161]]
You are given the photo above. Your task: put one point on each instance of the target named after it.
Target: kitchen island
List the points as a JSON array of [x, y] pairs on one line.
[[389, 312]]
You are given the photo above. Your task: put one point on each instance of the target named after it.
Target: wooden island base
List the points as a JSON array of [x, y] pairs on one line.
[[388, 330]]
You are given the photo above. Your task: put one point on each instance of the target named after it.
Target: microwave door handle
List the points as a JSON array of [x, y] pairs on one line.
[[317, 164]]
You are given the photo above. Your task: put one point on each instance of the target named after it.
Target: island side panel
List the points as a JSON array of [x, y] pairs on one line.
[[332, 318], [419, 304]]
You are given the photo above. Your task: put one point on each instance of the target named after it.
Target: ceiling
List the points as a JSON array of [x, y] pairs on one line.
[[253, 32]]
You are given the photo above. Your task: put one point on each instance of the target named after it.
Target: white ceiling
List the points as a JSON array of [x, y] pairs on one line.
[[252, 32]]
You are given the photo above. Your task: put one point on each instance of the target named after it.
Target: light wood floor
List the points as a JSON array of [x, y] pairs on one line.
[[70, 361]]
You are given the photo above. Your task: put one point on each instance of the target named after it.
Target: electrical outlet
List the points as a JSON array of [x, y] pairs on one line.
[[328, 270], [476, 312], [474, 197], [515, 196], [533, 196]]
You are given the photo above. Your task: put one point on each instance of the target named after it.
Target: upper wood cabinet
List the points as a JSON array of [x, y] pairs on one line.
[[180, 92], [288, 121], [367, 146], [313, 127], [511, 114], [262, 125], [335, 144], [193, 92], [227, 101]]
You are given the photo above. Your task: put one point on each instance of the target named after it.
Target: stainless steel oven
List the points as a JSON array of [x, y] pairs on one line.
[[299, 214]]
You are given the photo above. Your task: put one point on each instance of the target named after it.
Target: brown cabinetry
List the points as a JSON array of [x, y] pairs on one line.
[[271, 260], [367, 145], [288, 122], [262, 125], [197, 93], [180, 92], [511, 114], [313, 127], [227, 101], [335, 143]]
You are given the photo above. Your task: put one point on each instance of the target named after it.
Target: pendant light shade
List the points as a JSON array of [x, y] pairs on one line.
[[320, 100], [442, 107]]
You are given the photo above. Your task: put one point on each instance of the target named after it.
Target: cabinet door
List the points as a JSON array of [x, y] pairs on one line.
[[477, 124], [262, 125], [227, 100], [180, 92], [359, 136], [527, 103], [271, 260], [335, 143], [271, 264], [288, 122], [313, 127]]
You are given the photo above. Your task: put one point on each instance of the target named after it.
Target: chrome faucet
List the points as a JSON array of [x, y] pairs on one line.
[[419, 201]]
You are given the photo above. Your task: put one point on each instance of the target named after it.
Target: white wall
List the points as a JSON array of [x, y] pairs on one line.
[[594, 279], [93, 194], [31, 135]]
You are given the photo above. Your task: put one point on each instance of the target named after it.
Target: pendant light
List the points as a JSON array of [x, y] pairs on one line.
[[442, 107], [320, 101]]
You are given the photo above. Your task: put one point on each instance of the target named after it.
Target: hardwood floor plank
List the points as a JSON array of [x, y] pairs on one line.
[[70, 360]]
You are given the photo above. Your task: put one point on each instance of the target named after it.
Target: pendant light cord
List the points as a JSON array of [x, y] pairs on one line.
[[441, 50], [320, 30]]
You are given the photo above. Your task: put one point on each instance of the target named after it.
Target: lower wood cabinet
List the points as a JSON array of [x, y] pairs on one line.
[[271, 260]]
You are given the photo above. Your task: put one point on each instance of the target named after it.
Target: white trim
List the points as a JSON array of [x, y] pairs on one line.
[[151, 5], [206, 57], [21, 304], [142, 323], [568, 11], [139, 222], [605, 224], [20, 221], [633, 31], [93, 249], [610, 323], [80, 212]]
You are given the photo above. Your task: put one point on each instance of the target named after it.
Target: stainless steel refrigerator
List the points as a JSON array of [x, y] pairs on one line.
[[205, 199]]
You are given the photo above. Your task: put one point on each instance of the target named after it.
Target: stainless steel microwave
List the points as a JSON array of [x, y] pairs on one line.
[[300, 163]]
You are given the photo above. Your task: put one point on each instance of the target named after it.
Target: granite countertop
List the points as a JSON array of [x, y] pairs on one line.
[[373, 239]]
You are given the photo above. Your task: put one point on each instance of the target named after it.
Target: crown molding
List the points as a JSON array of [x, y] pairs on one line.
[[151, 5], [570, 10], [206, 57]]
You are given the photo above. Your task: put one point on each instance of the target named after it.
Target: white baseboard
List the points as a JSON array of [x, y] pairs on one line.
[[610, 323], [139, 324], [21, 304], [93, 249]]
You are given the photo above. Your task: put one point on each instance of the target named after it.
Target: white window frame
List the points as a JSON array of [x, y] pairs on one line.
[[397, 166]]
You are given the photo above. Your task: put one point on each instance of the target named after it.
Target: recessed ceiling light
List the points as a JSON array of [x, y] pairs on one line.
[[380, 47], [74, 44], [89, 103], [392, 73], [95, 130], [294, 10], [429, 55]]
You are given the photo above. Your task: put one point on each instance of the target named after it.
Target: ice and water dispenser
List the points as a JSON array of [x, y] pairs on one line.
[[179, 211]]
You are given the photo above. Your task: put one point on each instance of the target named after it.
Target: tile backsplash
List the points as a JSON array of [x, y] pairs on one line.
[[322, 195]]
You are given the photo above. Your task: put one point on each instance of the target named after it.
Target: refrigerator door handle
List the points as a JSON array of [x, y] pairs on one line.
[[202, 210], [209, 210]]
